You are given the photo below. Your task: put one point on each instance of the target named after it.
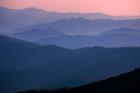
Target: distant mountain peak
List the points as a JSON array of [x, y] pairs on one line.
[[34, 9], [24, 9], [5, 9], [125, 29], [78, 19]]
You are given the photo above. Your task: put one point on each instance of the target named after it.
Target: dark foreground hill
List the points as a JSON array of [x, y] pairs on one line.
[[125, 83]]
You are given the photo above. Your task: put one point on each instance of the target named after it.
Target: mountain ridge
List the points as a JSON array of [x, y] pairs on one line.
[[33, 16], [54, 67]]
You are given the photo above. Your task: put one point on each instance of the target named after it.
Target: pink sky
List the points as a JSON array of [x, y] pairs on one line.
[[113, 7]]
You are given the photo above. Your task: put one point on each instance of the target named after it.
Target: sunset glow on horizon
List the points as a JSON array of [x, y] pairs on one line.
[[112, 7]]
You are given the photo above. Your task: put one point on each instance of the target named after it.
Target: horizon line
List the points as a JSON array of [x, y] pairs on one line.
[[45, 10]]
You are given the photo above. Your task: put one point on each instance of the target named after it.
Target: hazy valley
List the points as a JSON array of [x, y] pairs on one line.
[[49, 50]]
